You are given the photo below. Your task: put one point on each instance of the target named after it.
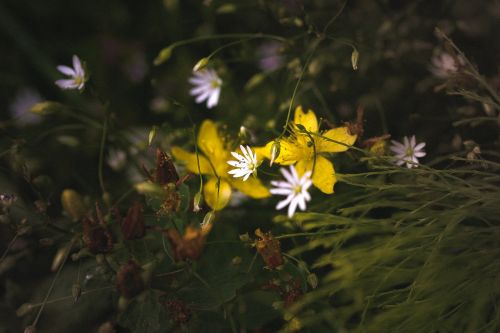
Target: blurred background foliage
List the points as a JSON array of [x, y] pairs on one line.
[[228, 289]]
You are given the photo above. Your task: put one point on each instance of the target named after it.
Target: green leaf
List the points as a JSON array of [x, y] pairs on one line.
[[144, 315]]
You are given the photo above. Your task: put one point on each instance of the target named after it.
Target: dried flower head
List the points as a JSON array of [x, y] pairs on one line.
[[165, 171], [128, 280], [178, 311], [133, 224], [269, 248], [171, 200], [96, 235], [191, 244]]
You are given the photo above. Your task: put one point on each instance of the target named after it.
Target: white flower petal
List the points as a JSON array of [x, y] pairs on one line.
[[419, 154], [288, 176], [420, 146], [281, 184], [214, 98], [66, 70], [281, 191], [202, 97], [285, 202], [292, 207], [66, 84]]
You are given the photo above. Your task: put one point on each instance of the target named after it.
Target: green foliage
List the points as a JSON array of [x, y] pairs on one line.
[[99, 234]]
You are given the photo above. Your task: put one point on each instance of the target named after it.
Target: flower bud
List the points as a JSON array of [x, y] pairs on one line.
[[30, 329], [72, 204], [354, 59], [76, 292], [47, 107], [61, 254], [202, 63], [275, 151], [163, 56], [209, 218], [197, 202], [152, 135], [24, 309]]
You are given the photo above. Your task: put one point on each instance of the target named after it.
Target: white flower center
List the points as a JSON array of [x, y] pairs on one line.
[[214, 83], [409, 152]]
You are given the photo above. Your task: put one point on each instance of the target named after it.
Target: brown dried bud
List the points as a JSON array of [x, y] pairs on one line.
[[96, 237], [292, 293], [357, 128], [128, 280], [189, 246], [165, 170], [269, 248], [133, 224], [178, 311]]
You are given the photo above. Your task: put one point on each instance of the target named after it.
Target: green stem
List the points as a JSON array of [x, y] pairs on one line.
[[52, 285], [101, 149]]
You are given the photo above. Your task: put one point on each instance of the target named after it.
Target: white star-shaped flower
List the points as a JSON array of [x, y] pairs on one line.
[[77, 75], [207, 85], [408, 152], [245, 164], [294, 188]]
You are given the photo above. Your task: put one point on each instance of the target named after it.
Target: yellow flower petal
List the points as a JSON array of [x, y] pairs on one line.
[[210, 142], [217, 197], [191, 162], [263, 152], [324, 173], [308, 119], [291, 151], [339, 134], [251, 187]]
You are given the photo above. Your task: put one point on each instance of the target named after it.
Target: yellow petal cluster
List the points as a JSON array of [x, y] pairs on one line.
[[305, 145], [212, 161]]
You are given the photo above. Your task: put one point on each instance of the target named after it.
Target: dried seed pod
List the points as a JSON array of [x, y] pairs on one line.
[[133, 224], [128, 280], [269, 248], [165, 170], [96, 237]]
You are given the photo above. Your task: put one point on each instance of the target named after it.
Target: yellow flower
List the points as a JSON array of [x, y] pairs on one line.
[[213, 163], [305, 145]]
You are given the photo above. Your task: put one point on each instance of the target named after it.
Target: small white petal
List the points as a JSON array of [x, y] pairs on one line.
[[66, 70], [213, 99], [285, 202], [202, 97], [281, 184], [281, 191], [288, 176], [292, 207], [420, 146], [66, 84], [419, 154]]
